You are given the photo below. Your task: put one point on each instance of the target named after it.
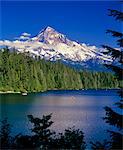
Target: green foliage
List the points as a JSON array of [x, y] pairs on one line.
[[19, 72], [98, 80]]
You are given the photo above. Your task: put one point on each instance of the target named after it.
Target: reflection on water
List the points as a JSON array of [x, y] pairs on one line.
[[82, 109]]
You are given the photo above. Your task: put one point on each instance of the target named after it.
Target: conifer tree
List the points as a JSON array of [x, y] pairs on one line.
[[114, 115]]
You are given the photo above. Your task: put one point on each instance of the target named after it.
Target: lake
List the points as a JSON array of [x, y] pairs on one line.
[[83, 109]]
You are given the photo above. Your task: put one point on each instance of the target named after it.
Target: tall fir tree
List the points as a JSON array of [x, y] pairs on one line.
[[114, 115]]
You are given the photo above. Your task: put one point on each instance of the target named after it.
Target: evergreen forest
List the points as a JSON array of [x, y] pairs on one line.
[[21, 73]]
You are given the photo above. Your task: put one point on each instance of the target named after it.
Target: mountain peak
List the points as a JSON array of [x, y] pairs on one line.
[[48, 28], [50, 36]]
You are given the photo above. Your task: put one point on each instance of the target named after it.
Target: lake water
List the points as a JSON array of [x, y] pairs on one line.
[[83, 109]]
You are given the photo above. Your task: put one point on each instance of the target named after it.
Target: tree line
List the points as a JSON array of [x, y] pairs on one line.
[[20, 73]]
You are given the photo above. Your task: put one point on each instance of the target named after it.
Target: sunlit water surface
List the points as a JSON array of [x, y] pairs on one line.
[[83, 109]]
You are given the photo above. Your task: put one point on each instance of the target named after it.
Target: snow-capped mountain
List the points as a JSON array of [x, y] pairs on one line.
[[52, 45]]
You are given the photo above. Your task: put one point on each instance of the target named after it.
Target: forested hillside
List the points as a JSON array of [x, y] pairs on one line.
[[19, 72]]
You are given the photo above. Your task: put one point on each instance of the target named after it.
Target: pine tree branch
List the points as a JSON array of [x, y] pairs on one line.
[[117, 139], [113, 52], [115, 33], [113, 118], [119, 104], [117, 14]]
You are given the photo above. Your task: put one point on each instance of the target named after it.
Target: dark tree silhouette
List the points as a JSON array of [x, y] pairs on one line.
[[114, 115], [6, 140], [42, 134], [105, 145], [42, 137], [71, 139]]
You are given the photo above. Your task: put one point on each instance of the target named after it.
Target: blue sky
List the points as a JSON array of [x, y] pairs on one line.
[[83, 21]]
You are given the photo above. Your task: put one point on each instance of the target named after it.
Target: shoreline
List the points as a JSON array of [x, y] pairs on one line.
[[12, 92]]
